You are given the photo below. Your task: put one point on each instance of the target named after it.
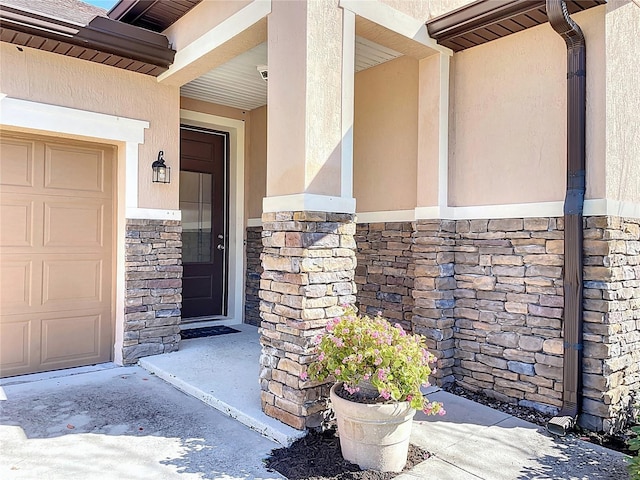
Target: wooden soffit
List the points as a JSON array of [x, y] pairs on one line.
[[154, 15]]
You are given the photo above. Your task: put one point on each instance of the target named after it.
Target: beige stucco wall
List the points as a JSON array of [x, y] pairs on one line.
[[385, 136], [256, 165], [214, 109], [424, 10], [58, 80], [623, 100], [431, 129], [508, 117]]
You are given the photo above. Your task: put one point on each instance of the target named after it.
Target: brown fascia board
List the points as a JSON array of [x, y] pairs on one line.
[[476, 15], [486, 20], [101, 34]]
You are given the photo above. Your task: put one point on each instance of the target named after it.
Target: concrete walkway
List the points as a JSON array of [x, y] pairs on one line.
[[470, 442], [121, 424], [474, 442], [125, 423]]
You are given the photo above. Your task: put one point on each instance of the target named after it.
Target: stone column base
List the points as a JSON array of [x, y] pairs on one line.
[[309, 267]]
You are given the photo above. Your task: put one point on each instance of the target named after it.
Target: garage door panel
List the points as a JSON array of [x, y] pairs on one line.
[[16, 280], [74, 224], [16, 168], [71, 282], [71, 338], [15, 337], [16, 221], [73, 168], [55, 255]]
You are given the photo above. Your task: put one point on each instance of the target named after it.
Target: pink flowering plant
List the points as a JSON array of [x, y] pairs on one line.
[[356, 349]]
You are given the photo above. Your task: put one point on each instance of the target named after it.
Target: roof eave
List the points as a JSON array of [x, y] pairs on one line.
[[486, 20], [101, 34]]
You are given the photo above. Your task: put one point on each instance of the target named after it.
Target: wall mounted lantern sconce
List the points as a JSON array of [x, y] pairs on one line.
[[161, 173]]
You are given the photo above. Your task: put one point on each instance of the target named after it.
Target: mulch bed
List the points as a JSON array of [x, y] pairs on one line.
[[317, 456]]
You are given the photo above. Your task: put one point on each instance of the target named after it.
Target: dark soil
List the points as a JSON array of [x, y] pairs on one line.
[[317, 456], [616, 442]]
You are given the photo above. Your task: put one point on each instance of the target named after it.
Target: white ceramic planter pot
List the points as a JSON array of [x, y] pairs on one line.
[[373, 436]]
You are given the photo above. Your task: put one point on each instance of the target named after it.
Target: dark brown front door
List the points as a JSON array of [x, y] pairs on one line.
[[203, 199]]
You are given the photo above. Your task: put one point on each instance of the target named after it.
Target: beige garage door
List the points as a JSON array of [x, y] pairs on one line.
[[55, 254]]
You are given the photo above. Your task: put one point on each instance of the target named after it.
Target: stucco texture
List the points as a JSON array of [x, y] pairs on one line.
[[508, 117], [49, 78], [304, 90], [424, 10], [385, 136], [256, 164], [623, 100]]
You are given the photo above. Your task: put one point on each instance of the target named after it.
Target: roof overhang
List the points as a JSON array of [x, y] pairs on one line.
[[102, 40], [486, 20]]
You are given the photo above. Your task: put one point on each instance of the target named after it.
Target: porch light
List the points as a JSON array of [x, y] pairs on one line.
[[161, 173]]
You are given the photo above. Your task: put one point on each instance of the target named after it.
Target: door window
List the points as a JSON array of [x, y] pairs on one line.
[[195, 203]]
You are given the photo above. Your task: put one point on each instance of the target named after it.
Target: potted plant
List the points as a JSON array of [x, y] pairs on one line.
[[379, 370]]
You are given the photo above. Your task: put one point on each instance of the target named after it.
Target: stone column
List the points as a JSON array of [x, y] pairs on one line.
[[309, 267], [611, 363], [308, 214]]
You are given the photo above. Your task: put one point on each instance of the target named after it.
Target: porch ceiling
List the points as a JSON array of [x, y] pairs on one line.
[[238, 84]]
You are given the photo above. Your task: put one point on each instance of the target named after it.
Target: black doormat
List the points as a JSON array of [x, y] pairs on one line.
[[207, 332]]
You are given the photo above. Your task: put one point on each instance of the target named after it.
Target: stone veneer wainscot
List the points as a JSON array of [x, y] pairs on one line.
[[253, 251], [488, 296], [153, 261], [385, 270]]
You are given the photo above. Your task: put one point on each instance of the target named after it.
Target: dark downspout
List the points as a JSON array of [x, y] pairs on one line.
[[573, 205]]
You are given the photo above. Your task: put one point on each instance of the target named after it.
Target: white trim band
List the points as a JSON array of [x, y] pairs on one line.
[[53, 118], [254, 222], [308, 202], [592, 208], [386, 216], [46, 118], [153, 214]]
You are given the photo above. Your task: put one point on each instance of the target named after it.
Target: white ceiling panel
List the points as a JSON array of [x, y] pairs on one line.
[[238, 84]]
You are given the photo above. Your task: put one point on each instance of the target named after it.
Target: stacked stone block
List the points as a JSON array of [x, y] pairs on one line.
[[309, 265], [153, 288], [509, 308], [433, 292], [487, 295], [384, 274], [253, 250], [612, 321]]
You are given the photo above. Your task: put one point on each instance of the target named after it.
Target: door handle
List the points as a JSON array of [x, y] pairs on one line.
[[220, 246]]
